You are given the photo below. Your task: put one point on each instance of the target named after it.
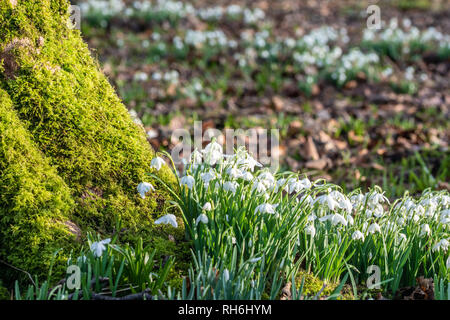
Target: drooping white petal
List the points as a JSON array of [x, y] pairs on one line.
[[157, 163], [168, 219], [144, 187], [207, 206], [203, 218], [188, 181]]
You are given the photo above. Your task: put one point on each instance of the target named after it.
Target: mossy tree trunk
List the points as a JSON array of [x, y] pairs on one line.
[[70, 155]]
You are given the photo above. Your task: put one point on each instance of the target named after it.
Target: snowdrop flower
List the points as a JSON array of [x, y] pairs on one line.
[[248, 163], [97, 248], [280, 183], [213, 153], [202, 218], [402, 237], [188, 181], [310, 230], [346, 205], [254, 260], [325, 218], [265, 208], [208, 176], [168, 219], [196, 157], [157, 163], [207, 206], [247, 176], [259, 186], [443, 244], [447, 264], [425, 230], [338, 219], [226, 275], [350, 220], [374, 227], [358, 235], [378, 211], [144, 187], [329, 200], [230, 186], [267, 179], [233, 172]]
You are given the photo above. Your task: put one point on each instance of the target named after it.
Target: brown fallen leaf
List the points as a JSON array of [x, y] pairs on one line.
[[278, 103], [316, 164], [351, 84], [311, 150]]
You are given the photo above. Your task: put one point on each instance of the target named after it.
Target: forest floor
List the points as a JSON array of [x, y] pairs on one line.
[[357, 133]]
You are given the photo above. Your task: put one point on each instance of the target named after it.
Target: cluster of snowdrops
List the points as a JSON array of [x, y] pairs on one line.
[[283, 222]]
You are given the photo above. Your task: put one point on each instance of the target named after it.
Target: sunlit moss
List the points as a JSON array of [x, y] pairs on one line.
[[70, 151]]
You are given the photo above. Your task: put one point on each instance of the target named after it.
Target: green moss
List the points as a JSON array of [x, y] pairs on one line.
[[4, 293], [35, 201], [85, 156], [312, 286]]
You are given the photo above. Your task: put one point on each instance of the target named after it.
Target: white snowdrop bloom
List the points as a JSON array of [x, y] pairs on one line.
[[248, 163], [187, 181], [226, 275], [310, 230], [233, 172], [265, 208], [213, 153], [296, 185], [267, 179], [157, 76], [338, 219], [203, 218], [208, 176], [325, 218], [311, 217], [259, 186], [281, 183], [207, 206], [350, 220], [306, 199], [425, 230], [254, 260], [250, 243], [196, 157], [358, 235], [357, 199], [247, 176], [144, 187], [441, 245], [230, 186], [402, 237], [329, 201], [447, 264], [306, 183], [97, 248], [346, 205], [168, 219], [445, 220], [373, 228], [157, 163], [406, 23], [419, 210], [377, 198], [378, 211], [140, 76]]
